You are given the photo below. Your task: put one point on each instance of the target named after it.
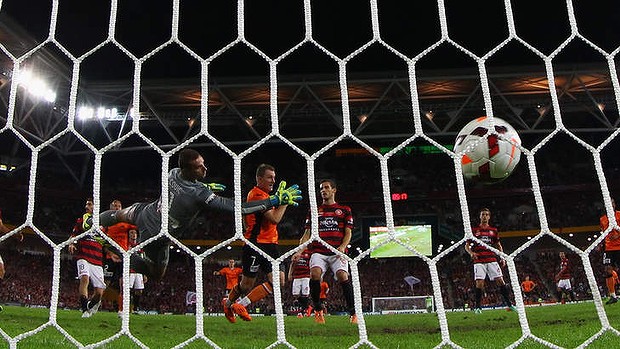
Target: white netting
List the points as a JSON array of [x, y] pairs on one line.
[[347, 134]]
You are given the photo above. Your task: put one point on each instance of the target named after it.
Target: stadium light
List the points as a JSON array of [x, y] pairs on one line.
[[429, 115], [6, 168], [35, 86]]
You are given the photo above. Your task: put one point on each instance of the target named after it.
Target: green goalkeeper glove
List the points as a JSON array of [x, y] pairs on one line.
[[87, 221], [286, 196], [216, 187]]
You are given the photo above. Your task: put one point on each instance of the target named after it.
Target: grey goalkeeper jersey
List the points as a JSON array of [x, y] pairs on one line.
[[187, 199]]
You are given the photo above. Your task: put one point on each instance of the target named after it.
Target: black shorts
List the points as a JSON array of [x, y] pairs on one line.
[[253, 261], [612, 258], [112, 270]]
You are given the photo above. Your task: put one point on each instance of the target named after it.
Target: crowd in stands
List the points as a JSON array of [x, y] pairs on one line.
[[30, 281]]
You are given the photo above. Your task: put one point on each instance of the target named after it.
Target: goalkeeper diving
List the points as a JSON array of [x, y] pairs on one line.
[[188, 197]]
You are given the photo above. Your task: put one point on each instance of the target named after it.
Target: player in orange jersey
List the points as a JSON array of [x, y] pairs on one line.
[[323, 295], [119, 232], [611, 256], [527, 286], [261, 230], [231, 273]]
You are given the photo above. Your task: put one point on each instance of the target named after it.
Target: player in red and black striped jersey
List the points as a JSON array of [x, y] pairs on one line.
[[335, 224], [562, 278], [486, 261], [88, 254], [299, 273], [3, 229]]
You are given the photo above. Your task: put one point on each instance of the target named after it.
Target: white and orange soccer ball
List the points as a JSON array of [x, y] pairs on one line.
[[491, 160]]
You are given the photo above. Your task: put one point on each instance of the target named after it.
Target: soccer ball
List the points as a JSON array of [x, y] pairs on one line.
[[491, 160]]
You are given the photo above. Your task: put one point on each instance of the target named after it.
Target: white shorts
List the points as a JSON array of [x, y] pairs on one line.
[[333, 262], [301, 287], [565, 284], [492, 270], [94, 273], [136, 281]]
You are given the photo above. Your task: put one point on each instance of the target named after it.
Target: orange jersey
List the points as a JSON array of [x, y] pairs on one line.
[[527, 285], [232, 276], [259, 229], [119, 232], [612, 240], [324, 290]]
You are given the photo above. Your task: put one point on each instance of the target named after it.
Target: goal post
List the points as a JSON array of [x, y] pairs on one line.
[[407, 304]]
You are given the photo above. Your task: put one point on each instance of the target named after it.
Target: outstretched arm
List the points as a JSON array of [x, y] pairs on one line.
[[283, 196], [227, 204]]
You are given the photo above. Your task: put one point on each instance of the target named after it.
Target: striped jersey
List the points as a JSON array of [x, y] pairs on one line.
[[333, 220], [564, 269], [301, 268], [488, 235], [88, 248]]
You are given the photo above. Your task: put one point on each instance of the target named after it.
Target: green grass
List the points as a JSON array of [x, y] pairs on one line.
[[564, 325]]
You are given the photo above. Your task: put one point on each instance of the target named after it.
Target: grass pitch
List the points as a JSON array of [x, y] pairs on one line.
[[563, 325]]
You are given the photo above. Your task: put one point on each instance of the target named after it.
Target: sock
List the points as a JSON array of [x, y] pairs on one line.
[[303, 302], [94, 300], [315, 293], [84, 303], [611, 285], [505, 295], [259, 292], [478, 297], [136, 302], [347, 291]]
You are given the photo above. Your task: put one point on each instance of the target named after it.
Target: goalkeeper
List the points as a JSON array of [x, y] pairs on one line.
[[187, 198]]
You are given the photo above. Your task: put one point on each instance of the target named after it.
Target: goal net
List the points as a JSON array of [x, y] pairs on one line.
[[409, 304], [99, 98]]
